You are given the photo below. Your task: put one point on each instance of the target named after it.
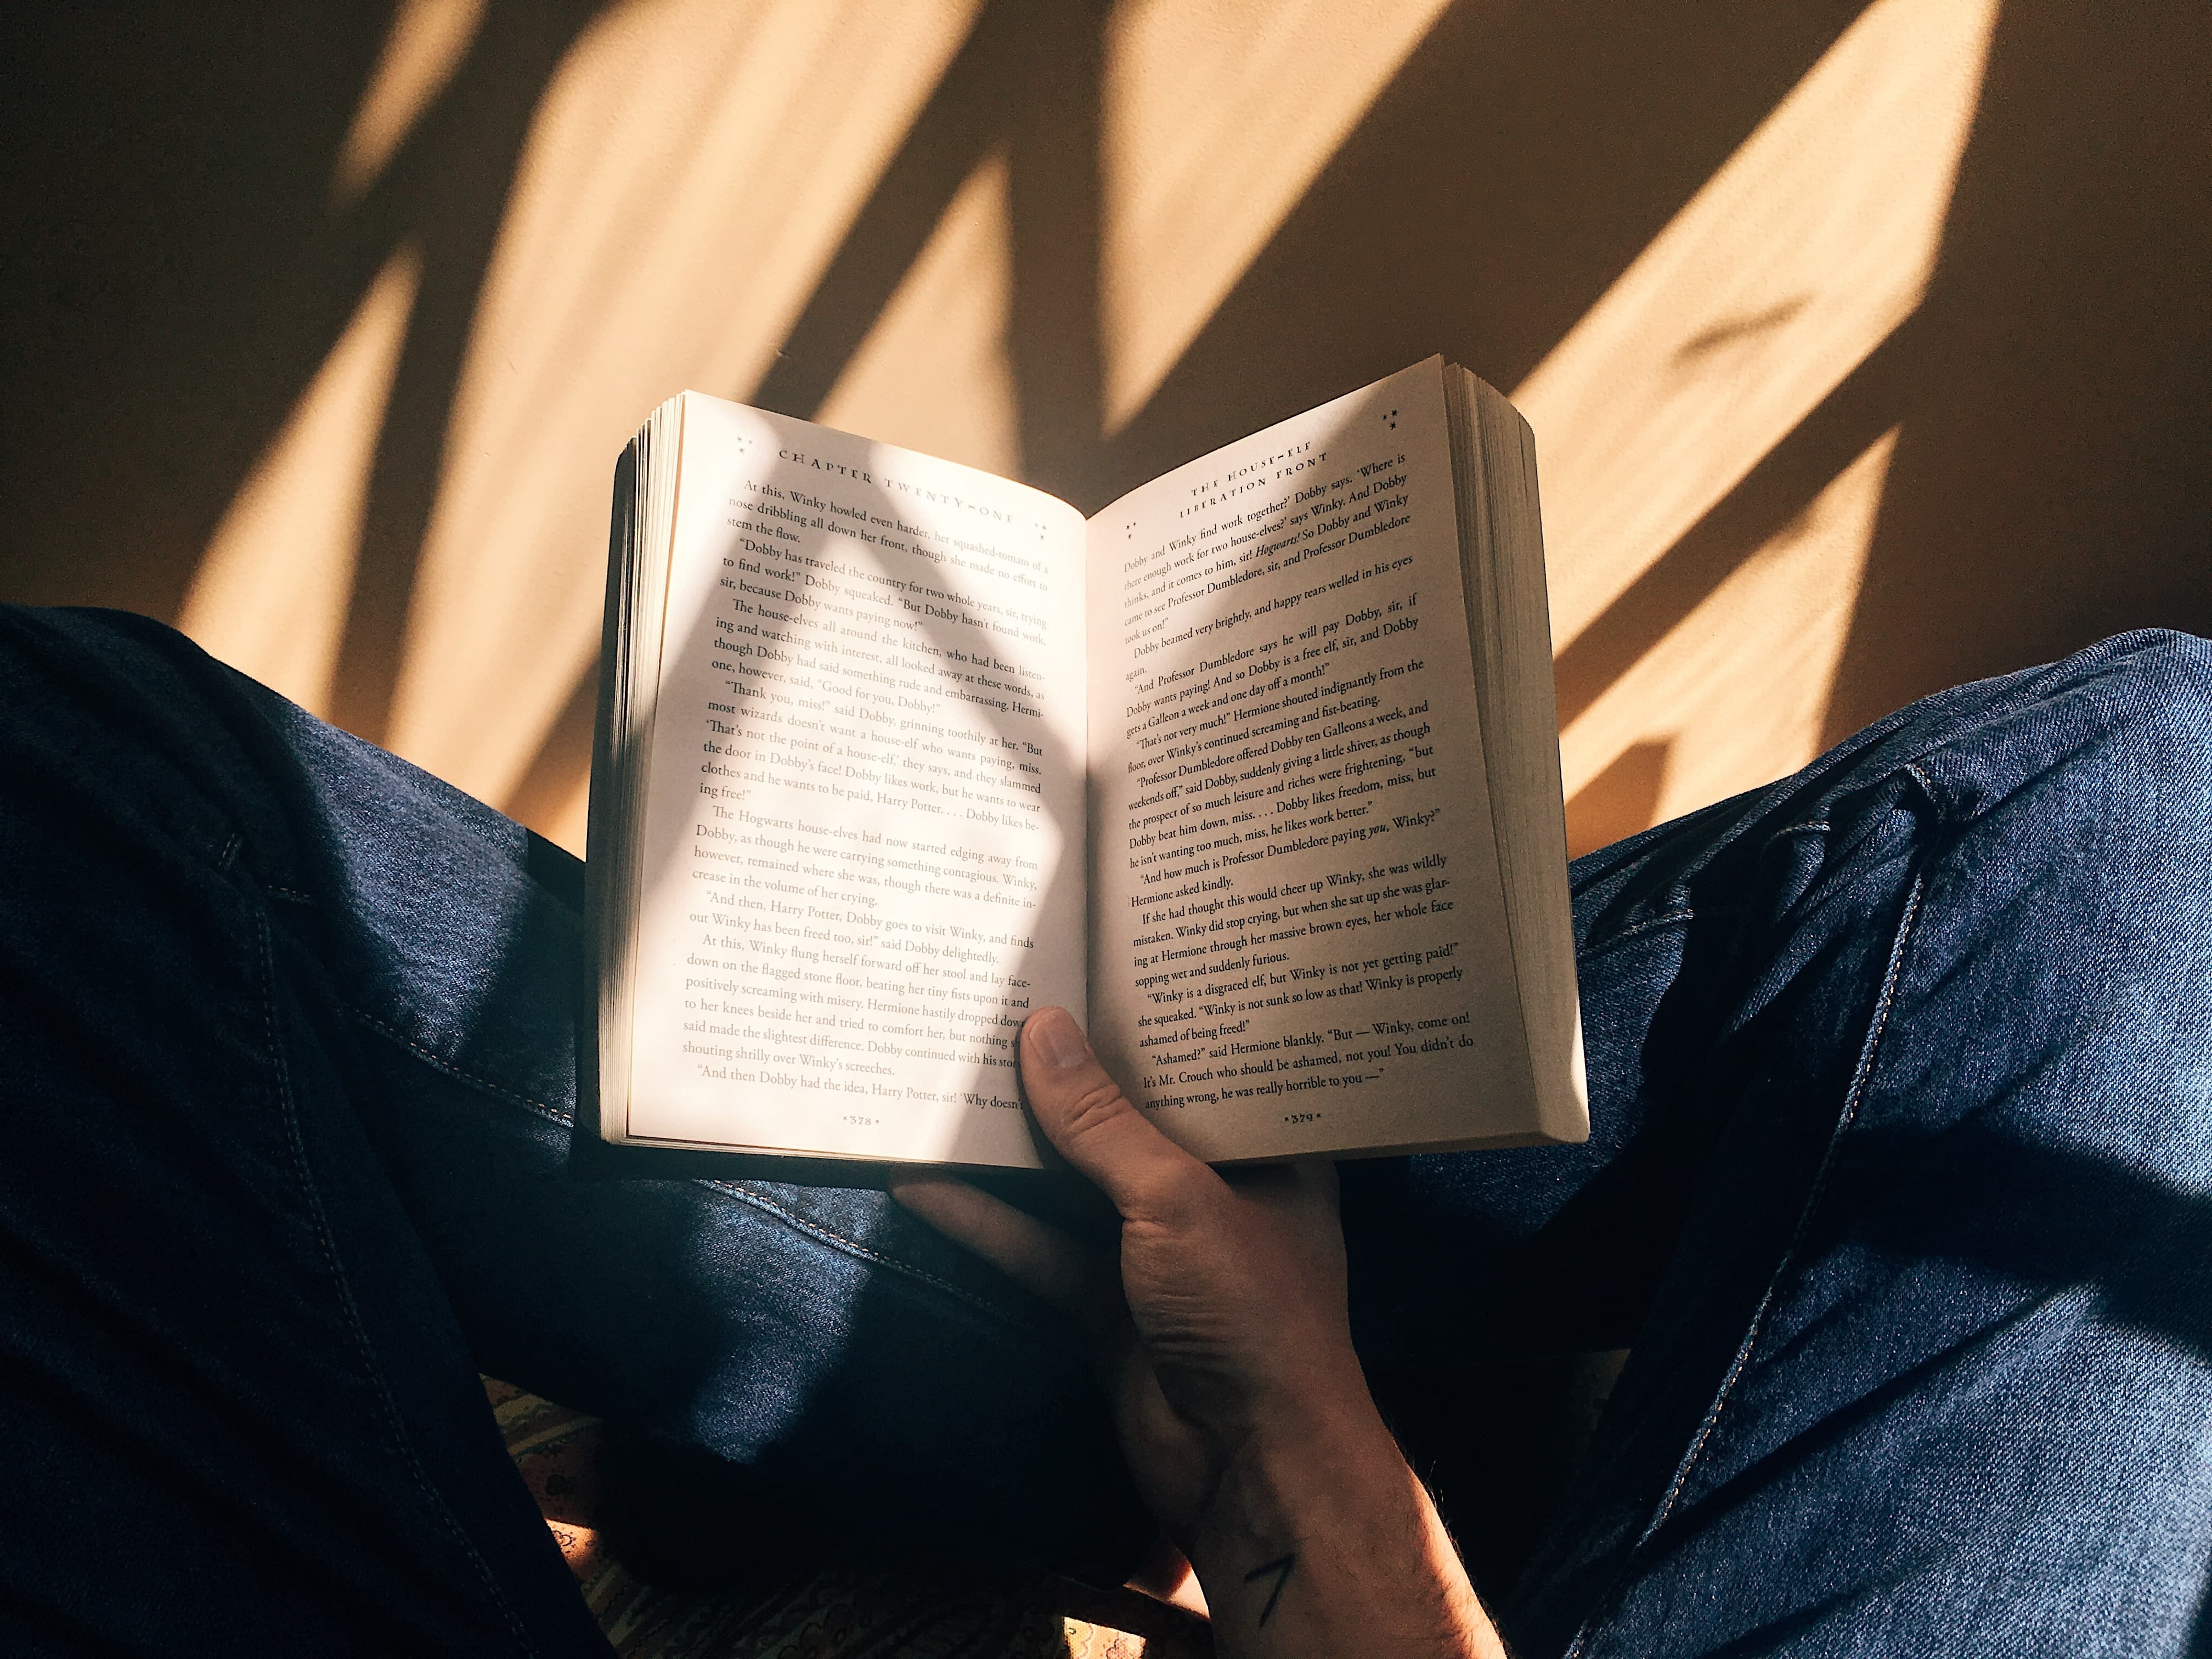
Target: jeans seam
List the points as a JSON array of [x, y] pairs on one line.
[[1650, 923], [868, 1253], [1912, 769], [1869, 1052], [1598, 946], [1635, 929], [437, 1062], [814, 1230], [395, 1426]]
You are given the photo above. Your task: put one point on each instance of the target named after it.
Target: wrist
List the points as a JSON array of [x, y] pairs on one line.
[[1319, 1538], [1308, 1468]]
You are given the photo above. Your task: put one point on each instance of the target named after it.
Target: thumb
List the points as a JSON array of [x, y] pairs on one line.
[[1090, 1122]]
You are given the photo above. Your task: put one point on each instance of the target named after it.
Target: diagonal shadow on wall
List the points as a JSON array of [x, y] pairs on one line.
[[2045, 488], [1511, 171], [1025, 81], [454, 172], [173, 278], [1860, 409], [2051, 484], [160, 336], [1028, 78], [1548, 156]]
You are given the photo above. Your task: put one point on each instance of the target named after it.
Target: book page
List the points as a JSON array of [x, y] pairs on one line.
[[864, 813], [1299, 934]]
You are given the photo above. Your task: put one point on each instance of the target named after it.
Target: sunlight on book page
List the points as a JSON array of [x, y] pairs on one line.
[[864, 815], [1301, 943]]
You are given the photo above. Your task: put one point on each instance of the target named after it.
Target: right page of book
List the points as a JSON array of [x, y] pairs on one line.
[[1298, 936]]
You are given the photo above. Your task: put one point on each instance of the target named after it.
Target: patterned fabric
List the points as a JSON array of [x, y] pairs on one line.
[[838, 1611]]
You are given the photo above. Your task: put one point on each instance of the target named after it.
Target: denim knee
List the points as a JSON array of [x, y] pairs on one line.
[[2106, 752], [2162, 708]]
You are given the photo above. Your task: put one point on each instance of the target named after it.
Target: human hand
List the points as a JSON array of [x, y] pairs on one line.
[[1225, 1350], [1228, 1320]]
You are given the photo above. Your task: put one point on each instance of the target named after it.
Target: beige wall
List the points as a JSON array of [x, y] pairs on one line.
[[1866, 345]]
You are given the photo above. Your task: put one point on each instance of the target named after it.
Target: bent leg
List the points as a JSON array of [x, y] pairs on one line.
[[287, 1063], [1903, 1075], [235, 1410]]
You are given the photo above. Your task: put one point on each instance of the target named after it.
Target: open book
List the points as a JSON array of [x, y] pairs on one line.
[[1256, 770]]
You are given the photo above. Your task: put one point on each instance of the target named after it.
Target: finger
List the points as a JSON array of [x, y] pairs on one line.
[[1037, 1255], [1090, 1122], [1164, 1574]]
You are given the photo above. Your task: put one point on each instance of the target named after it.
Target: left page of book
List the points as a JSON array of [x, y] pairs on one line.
[[863, 828]]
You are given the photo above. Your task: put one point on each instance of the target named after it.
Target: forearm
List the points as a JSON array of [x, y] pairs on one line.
[[1321, 1542]]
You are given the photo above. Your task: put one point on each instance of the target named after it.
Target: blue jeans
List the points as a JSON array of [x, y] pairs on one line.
[[1899, 1188]]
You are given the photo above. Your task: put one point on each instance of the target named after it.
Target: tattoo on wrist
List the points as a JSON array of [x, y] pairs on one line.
[[1281, 1567]]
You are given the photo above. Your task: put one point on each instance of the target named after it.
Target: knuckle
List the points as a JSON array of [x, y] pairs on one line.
[[1094, 1107]]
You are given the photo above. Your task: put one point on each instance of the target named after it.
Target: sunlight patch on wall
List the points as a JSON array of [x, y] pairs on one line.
[[1798, 258], [933, 372], [690, 171], [270, 594], [1217, 119], [1736, 694], [566, 824], [428, 39]]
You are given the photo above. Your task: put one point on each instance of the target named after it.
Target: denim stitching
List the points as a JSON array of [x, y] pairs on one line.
[[439, 1063], [394, 1425], [1852, 1098], [1927, 788], [1634, 929], [867, 1252], [1600, 944], [292, 894], [813, 1229]]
